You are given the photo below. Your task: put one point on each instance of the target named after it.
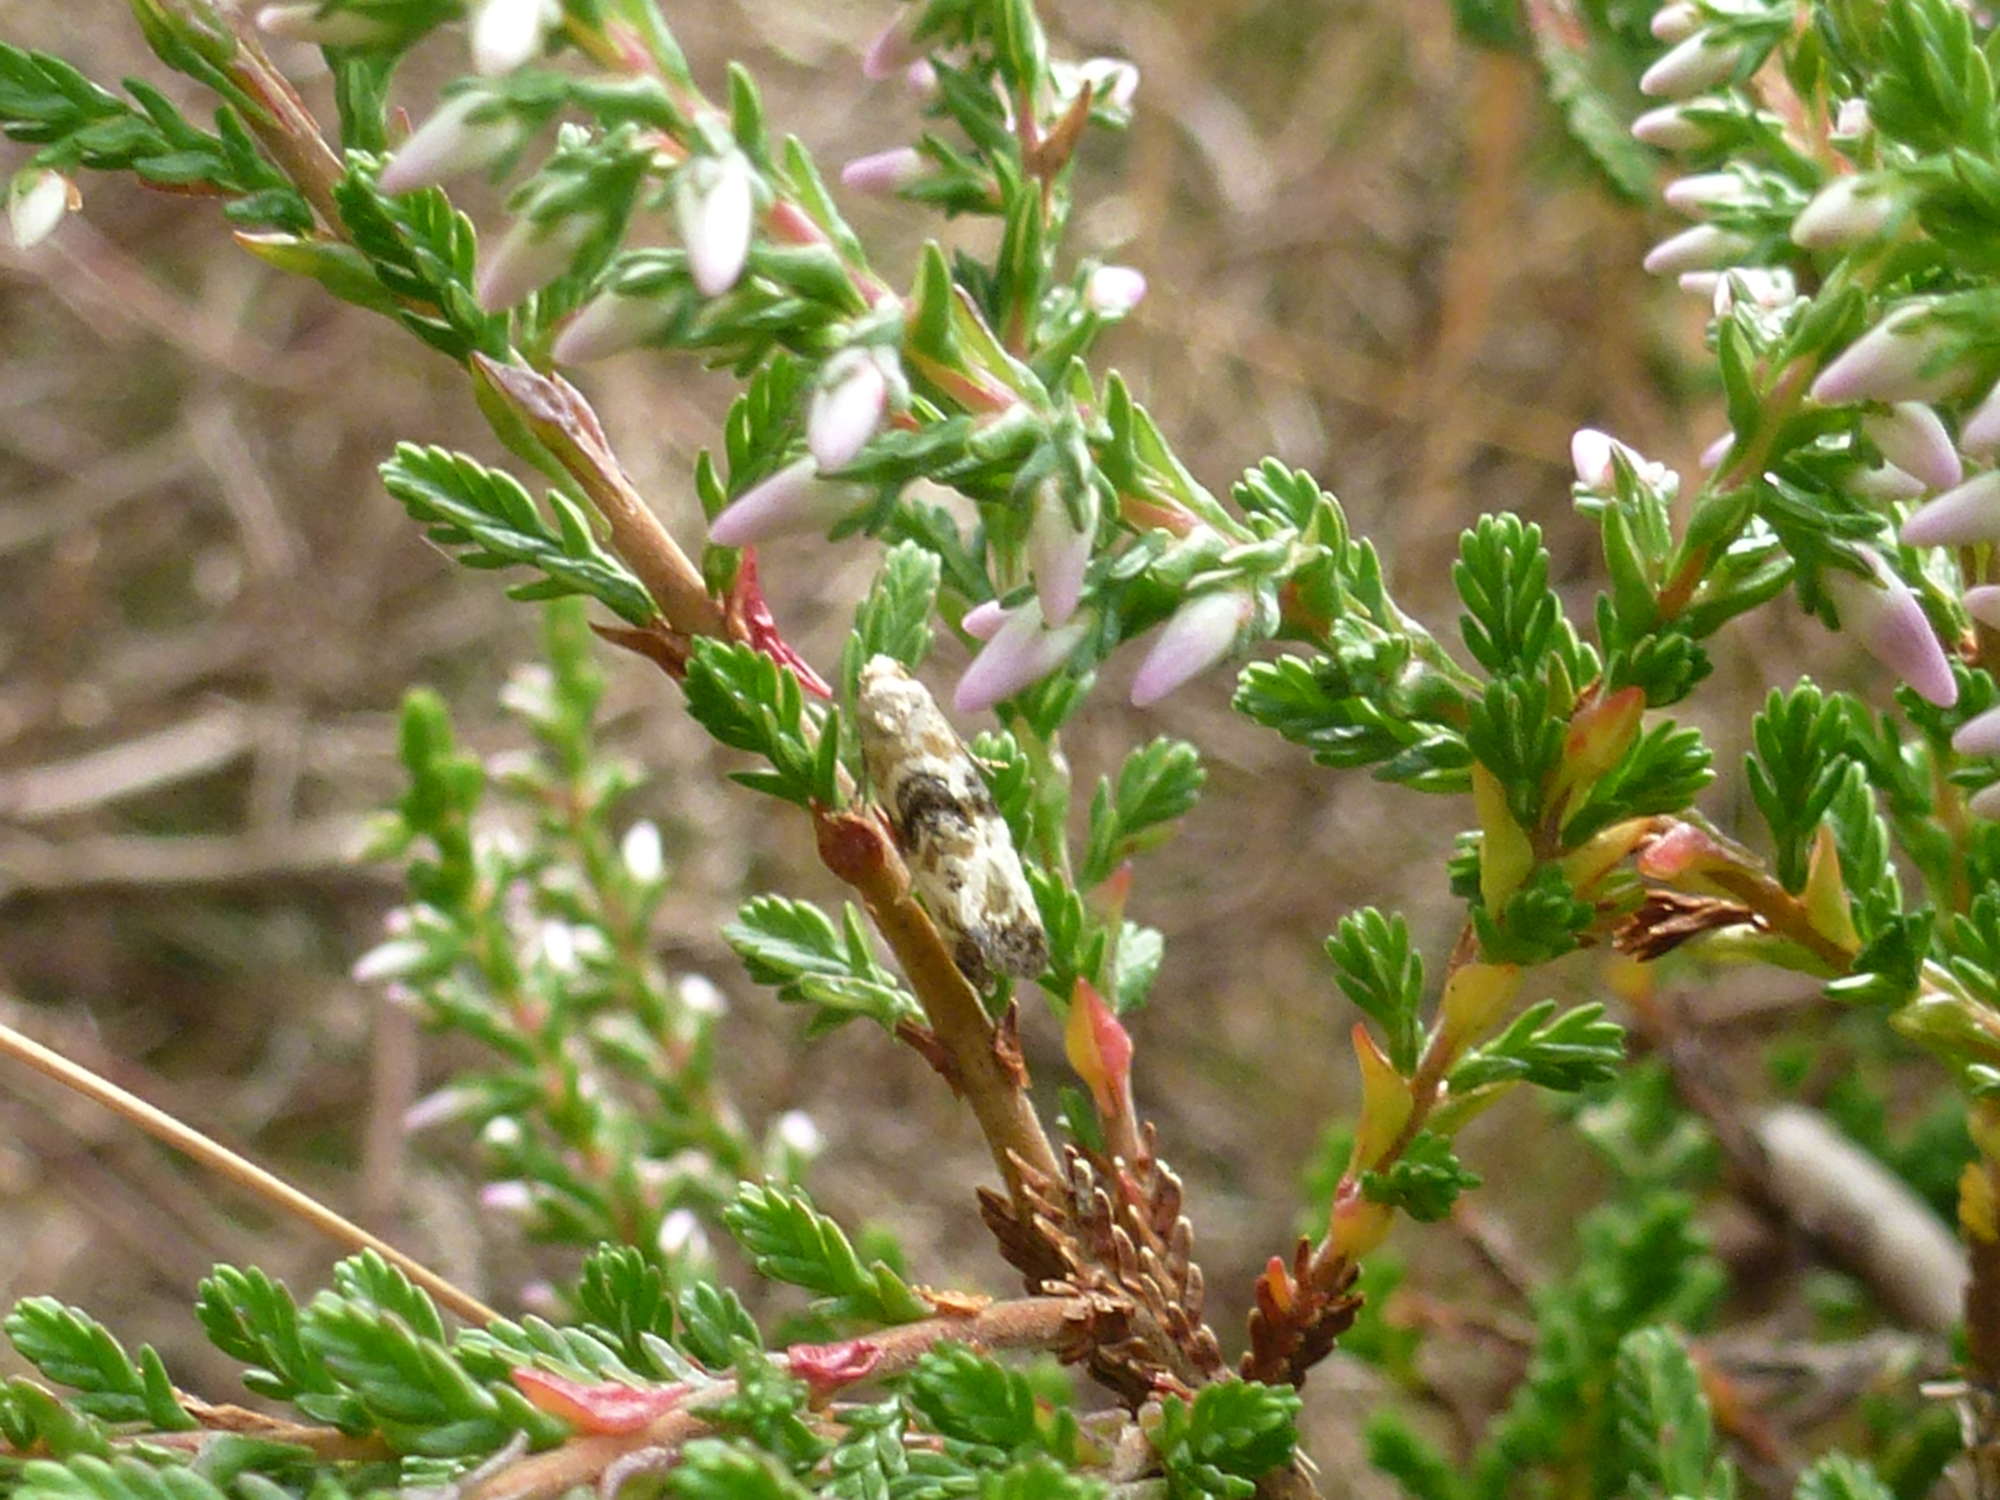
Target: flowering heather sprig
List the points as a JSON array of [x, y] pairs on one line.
[[1199, 634], [1015, 657]]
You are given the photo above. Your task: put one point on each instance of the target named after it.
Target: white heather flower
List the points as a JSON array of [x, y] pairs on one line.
[[1021, 653], [1913, 438], [1196, 636], [1697, 62], [1963, 516], [1851, 120], [1704, 247], [798, 1134], [37, 200], [1850, 210], [310, 21], [557, 942], [884, 172], [440, 1107], [1979, 435], [1059, 547], [507, 33], [1700, 283], [1888, 362], [1670, 128], [699, 995], [1700, 192], [1113, 291], [1675, 21], [644, 855], [391, 960], [502, 1134], [1886, 618], [792, 502], [611, 322], [1760, 286], [451, 144], [1112, 80], [715, 207], [848, 405], [681, 1236], [531, 255], [516, 1200]]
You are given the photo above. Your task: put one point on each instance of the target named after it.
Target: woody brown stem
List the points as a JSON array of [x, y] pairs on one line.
[[1029, 1323]]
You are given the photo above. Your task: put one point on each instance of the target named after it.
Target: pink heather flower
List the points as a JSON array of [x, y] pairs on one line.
[[1760, 286], [1979, 735], [309, 21], [1675, 21], [1699, 61], [1886, 618], [792, 501], [983, 621], [1887, 363], [1912, 438], [1985, 802], [507, 33], [847, 407], [1059, 550], [1886, 484], [1960, 517], [514, 1199], [1197, 636], [450, 144], [1020, 655], [440, 1107], [715, 206], [1983, 604], [611, 323], [1669, 128], [1590, 453], [884, 172], [1713, 455], [1851, 120], [1848, 211], [1112, 80], [1113, 291], [1704, 247], [529, 257], [1979, 436], [921, 79], [37, 199], [890, 52]]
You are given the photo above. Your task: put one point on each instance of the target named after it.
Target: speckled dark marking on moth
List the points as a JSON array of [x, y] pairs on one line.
[[961, 857]]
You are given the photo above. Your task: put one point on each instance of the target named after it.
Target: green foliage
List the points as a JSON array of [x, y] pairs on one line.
[[1383, 974], [1158, 783], [1838, 1477], [1665, 1431], [787, 1239], [627, 1297], [793, 947], [1795, 770], [90, 1478], [1512, 620], [252, 1318], [968, 1399], [75, 1350], [750, 702], [1375, 705], [422, 252], [1228, 1438], [488, 520], [1564, 1053], [1423, 1182]]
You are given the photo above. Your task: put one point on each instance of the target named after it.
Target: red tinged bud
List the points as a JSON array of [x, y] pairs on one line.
[[829, 1367], [608, 1408], [1100, 1049]]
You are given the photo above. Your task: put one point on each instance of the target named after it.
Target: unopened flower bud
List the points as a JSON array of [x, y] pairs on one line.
[[1197, 636], [530, 256], [37, 199], [644, 855], [310, 21], [1964, 516], [1886, 617], [1851, 120], [1113, 291], [791, 502], [699, 995], [1758, 286], [715, 207], [1979, 735], [507, 33], [1670, 128], [1700, 60], [848, 405], [1704, 247], [884, 172], [1675, 21], [682, 1237], [1885, 484], [798, 1134], [1983, 604], [451, 143], [1979, 435], [890, 53], [1100, 1049], [1701, 192], [1890, 362], [983, 621], [1912, 437], [1850, 210], [1712, 456], [1059, 547], [1985, 803], [440, 1107], [1021, 653], [514, 1200], [611, 323]]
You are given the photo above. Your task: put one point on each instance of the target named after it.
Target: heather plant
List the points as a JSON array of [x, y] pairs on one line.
[[1841, 167]]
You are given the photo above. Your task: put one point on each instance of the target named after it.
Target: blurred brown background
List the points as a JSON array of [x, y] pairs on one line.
[[1371, 253]]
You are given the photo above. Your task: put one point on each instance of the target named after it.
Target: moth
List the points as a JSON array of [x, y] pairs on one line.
[[961, 857]]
